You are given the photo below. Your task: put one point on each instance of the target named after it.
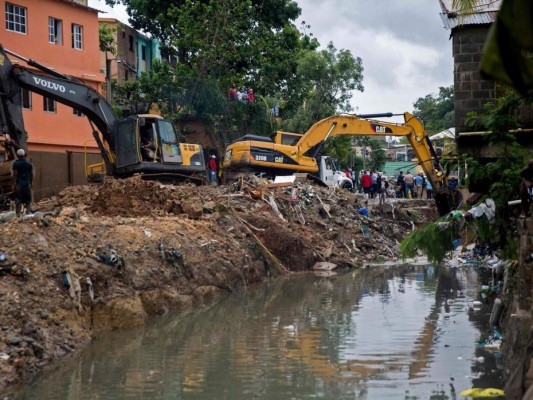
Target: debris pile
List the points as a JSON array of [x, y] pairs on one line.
[[104, 257]]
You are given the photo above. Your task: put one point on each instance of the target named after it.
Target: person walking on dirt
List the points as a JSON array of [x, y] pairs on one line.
[[23, 172], [212, 166], [526, 188]]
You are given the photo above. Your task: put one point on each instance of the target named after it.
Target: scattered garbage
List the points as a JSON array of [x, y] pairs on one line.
[[492, 342], [363, 211], [90, 288], [112, 259]]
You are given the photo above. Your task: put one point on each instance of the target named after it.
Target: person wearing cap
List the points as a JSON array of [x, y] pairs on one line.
[[212, 166], [23, 172]]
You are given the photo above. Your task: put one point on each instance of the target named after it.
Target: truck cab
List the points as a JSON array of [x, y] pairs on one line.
[[330, 173]]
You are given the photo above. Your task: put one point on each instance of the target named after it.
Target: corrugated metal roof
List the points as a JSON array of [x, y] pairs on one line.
[[484, 12]]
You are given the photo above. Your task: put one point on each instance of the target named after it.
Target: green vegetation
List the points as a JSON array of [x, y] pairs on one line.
[[106, 37], [496, 177], [437, 113], [242, 43]]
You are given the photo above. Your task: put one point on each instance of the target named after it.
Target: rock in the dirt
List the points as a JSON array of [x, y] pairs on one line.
[[324, 266], [193, 210], [8, 216]]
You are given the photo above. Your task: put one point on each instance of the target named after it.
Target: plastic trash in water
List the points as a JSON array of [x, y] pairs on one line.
[[482, 392], [456, 243]]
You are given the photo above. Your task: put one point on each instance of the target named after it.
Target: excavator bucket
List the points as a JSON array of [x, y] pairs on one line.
[[448, 200]]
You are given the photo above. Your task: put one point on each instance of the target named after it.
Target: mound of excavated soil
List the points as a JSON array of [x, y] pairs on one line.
[[104, 257]]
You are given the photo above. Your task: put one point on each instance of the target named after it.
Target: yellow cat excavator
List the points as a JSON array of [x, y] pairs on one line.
[[287, 153]]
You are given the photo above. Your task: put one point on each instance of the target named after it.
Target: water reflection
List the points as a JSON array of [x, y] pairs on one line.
[[404, 332]]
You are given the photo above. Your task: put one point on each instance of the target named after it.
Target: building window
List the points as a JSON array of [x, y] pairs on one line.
[[55, 31], [143, 53], [49, 105], [77, 113], [131, 42], [15, 18], [26, 98], [77, 37]]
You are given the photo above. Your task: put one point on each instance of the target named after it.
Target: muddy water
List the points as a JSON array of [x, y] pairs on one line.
[[407, 332]]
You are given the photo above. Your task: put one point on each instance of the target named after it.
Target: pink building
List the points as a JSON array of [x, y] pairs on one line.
[[62, 35]]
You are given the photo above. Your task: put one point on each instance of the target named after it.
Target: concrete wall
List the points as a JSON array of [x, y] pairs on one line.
[[470, 89], [517, 347], [56, 171]]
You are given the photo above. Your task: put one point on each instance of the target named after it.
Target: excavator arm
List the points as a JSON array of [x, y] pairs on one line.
[[59, 87], [262, 154], [312, 142]]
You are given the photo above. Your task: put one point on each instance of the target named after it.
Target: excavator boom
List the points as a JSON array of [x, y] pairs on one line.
[[276, 158]]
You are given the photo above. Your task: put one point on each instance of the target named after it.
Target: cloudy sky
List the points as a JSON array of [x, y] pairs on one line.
[[406, 52]]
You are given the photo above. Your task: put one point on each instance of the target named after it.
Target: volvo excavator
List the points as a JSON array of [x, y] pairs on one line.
[[120, 141], [286, 153]]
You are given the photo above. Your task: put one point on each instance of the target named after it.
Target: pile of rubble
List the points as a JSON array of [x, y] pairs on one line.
[[105, 257]]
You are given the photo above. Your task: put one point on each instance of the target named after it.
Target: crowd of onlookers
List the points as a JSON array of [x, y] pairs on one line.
[[243, 94], [376, 184]]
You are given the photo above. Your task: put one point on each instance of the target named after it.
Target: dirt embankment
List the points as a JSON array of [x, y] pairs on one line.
[[96, 258]]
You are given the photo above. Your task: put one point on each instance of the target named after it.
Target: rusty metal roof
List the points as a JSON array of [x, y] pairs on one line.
[[484, 12]]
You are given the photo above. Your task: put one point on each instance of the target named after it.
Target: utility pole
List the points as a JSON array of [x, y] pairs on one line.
[[108, 78]]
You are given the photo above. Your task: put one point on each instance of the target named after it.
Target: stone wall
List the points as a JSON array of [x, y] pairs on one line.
[[470, 89], [517, 346]]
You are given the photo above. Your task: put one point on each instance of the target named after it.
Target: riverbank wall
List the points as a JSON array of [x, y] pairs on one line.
[[517, 346]]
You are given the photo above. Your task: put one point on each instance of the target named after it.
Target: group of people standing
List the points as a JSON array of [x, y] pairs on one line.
[[373, 183], [243, 94], [409, 186]]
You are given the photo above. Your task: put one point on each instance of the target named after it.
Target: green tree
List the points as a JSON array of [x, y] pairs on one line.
[[340, 148], [437, 113], [106, 37], [329, 77], [232, 41]]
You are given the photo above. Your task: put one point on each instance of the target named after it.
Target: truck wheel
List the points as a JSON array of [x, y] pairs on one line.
[[346, 185]]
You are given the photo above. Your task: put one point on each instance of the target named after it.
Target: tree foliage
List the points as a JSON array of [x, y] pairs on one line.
[[496, 177], [499, 176], [106, 38], [252, 43], [437, 113], [232, 41], [326, 79]]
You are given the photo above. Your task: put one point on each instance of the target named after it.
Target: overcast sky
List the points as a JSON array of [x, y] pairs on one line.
[[406, 52]]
